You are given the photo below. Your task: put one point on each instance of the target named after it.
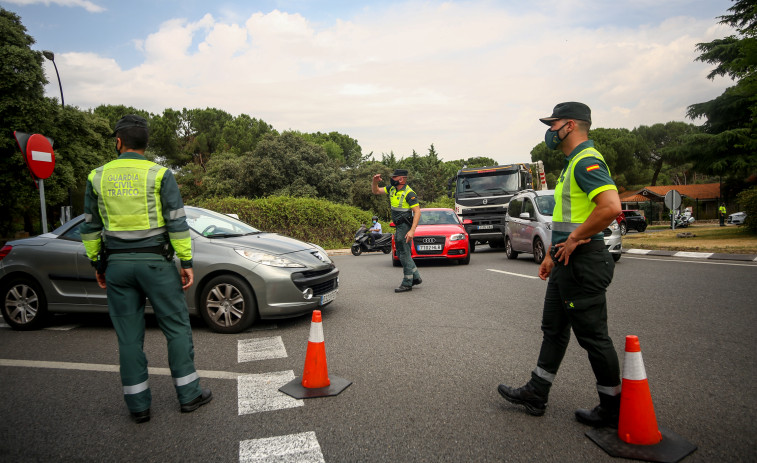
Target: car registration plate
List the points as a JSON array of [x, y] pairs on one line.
[[328, 297], [485, 227], [429, 247]]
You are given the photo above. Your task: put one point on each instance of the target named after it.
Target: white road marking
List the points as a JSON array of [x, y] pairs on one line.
[[62, 327], [696, 255], [638, 251], [301, 448], [109, 368], [693, 261], [514, 274], [260, 393], [249, 350]]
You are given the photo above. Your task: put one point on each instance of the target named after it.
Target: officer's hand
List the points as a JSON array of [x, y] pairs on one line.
[[100, 280], [566, 248], [187, 278], [545, 269], [376, 178], [409, 236]]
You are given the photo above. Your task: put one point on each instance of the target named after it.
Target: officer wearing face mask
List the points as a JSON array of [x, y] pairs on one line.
[[406, 212], [579, 270]]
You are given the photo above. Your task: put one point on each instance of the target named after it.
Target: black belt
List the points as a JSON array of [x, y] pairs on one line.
[[148, 250]]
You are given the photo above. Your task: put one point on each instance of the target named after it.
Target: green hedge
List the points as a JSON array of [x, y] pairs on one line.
[[318, 221], [748, 201]]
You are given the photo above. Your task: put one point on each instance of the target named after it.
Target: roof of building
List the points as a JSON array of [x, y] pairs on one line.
[[696, 191]]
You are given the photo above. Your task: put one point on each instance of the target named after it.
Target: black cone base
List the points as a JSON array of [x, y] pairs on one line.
[[671, 449], [295, 389]]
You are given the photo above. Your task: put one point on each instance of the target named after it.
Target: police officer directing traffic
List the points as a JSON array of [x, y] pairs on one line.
[[581, 268], [134, 222], [406, 212]]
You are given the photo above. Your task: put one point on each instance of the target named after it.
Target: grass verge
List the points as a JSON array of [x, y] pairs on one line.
[[707, 238]]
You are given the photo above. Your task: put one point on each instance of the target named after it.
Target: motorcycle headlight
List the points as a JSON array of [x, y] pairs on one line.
[[457, 237], [268, 259]]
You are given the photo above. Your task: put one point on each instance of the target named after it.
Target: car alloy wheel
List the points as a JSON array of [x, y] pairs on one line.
[[24, 304], [539, 250], [227, 304], [509, 249]]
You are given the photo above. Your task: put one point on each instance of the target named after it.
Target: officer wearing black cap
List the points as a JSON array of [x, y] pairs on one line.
[[134, 223], [406, 212], [581, 268]]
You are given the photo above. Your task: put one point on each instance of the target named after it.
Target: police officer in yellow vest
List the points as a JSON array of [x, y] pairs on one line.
[[134, 221], [581, 268], [406, 212], [722, 212]]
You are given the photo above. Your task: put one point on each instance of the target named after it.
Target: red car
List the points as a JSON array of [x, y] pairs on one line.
[[439, 235]]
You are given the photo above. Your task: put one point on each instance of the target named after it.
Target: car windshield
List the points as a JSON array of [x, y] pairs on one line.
[[214, 225], [545, 204], [438, 218]]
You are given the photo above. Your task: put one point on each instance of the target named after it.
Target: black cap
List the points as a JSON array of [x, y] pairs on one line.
[[569, 110], [131, 120], [399, 173]]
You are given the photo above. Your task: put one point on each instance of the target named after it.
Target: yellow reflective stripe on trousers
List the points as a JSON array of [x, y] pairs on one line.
[[184, 380], [137, 388]]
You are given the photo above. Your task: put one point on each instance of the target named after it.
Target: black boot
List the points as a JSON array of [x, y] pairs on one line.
[[528, 396], [605, 414]]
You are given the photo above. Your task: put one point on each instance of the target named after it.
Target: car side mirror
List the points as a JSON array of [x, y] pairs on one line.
[[525, 215]]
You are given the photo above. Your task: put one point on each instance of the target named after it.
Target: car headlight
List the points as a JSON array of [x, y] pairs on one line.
[[457, 237], [322, 254], [614, 225], [268, 259]]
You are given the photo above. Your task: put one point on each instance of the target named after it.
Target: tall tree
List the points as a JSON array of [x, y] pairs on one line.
[[728, 143]]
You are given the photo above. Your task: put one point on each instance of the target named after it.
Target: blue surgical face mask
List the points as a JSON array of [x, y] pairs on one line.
[[374, 222], [552, 137]]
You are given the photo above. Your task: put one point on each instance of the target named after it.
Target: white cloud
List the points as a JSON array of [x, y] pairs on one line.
[[87, 5], [471, 78]]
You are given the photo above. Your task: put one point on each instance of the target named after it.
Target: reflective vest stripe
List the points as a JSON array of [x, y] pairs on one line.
[[137, 388], [609, 390], [135, 234], [564, 226], [177, 214], [154, 176], [574, 206], [398, 198], [544, 374], [184, 380]]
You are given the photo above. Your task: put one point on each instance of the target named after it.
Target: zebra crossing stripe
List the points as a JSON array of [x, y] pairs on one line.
[[302, 448], [249, 350], [260, 392]]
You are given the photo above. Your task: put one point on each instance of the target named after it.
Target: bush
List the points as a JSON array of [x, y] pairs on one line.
[[748, 200], [318, 221]]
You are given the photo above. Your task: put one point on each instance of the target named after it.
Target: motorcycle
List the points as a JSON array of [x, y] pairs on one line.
[[363, 242], [683, 220]]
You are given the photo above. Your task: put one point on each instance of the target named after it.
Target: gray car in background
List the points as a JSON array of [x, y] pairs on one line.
[[241, 274], [528, 226]]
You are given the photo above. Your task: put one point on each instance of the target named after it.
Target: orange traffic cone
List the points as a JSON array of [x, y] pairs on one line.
[[638, 423], [315, 381], [316, 372], [638, 436]]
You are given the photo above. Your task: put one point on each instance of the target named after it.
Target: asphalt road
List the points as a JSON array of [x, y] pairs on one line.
[[424, 365]]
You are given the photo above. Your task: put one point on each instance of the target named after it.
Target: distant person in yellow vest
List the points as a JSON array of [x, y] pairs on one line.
[[134, 222], [579, 270], [722, 214], [406, 212]]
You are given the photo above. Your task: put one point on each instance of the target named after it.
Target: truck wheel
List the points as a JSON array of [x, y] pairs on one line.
[[509, 249], [539, 250]]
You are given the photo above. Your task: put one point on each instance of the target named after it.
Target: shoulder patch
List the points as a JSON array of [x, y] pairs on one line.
[[592, 167]]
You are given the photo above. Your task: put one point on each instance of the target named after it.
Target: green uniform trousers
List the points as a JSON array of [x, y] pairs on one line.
[[130, 279], [404, 253], [576, 298]]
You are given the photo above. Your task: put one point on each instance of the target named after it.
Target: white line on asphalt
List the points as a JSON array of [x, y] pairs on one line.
[[109, 368], [694, 255], [691, 261], [302, 448], [514, 274], [638, 251], [260, 393], [62, 327], [249, 350]]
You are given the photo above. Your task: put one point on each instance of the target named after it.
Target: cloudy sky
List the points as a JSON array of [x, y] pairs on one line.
[[469, 77]]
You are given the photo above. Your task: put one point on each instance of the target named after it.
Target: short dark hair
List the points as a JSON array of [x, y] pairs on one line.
[[133, 137]]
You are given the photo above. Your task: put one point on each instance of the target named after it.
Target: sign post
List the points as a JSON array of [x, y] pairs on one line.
[[673, 201], [40, 158]]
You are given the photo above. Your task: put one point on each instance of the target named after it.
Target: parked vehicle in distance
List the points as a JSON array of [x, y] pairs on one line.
[[631, 220], [528, 226], [737, 218], [439, 235], [240, 273]]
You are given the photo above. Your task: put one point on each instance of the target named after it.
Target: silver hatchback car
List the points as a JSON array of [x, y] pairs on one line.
[[528, 226], [241, 274]]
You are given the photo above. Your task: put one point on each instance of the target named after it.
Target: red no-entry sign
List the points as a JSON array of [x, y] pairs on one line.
[[40, 156]]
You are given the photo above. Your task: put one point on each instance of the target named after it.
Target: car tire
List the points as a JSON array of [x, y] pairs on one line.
[[642, 227], [509, 249], [623, 228], [222, 294], [615, 256], [356, 250], [496, 244], [465, 260], [472, 245], [24, 304], [539, 251]]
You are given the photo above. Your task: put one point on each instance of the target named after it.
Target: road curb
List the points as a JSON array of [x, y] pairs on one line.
[[694, 255]]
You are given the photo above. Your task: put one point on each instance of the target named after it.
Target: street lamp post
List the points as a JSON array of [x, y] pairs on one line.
[[51, 56]]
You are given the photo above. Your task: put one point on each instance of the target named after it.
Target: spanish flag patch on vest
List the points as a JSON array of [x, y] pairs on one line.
[[593, 167]]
